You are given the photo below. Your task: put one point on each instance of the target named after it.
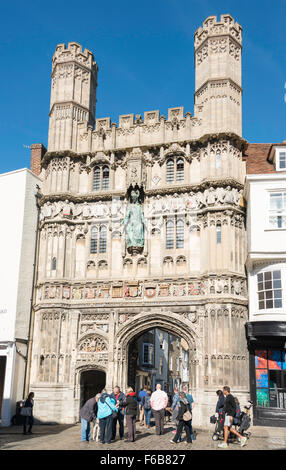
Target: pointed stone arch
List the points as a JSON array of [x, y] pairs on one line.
[[174, 323]]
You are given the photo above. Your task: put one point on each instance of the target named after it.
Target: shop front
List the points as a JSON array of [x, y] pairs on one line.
[[267, 349]]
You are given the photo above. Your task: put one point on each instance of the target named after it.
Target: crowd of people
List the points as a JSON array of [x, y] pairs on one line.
[[110, 409]]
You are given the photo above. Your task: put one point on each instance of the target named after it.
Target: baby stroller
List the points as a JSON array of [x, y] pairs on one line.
[[241, 423]]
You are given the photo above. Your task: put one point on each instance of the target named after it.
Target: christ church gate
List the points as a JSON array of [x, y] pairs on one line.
[[141, 227]]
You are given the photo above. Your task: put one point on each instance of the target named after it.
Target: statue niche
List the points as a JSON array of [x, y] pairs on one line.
[[134, 221]]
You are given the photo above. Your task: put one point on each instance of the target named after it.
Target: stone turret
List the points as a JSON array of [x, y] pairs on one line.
[[218, 75], [73, 95]]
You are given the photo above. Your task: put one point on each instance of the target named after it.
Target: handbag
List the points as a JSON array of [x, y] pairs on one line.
[[26, 411], [187, 416]]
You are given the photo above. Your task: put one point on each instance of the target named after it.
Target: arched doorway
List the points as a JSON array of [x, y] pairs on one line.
[[92, 381], [169, 322], [158, 356]]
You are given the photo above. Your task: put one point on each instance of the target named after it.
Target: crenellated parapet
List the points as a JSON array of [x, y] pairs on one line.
[[73, 95], [212, 28], [218, 90]]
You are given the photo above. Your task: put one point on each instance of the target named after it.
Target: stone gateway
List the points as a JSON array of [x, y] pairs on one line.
[[141, 226]]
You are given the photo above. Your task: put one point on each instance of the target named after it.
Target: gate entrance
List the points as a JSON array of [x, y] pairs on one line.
[[91, 383], [158, 357]]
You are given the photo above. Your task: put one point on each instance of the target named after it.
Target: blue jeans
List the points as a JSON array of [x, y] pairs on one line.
[[85, 430], [148, 414]]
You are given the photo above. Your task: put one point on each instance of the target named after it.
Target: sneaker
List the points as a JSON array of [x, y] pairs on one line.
[[243, 441], [223, 445], [171, 440]]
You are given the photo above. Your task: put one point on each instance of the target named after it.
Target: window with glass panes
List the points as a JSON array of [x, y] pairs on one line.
[[269, 290], [180, 170], [282, 160], [170, 171], [180, 234], [96, 179], [101, 178], [175, 233], [170, 235], [175, 170], [102, 239], [277, 210], [93, 240], [148, 353], [270, 377], [105, 177]]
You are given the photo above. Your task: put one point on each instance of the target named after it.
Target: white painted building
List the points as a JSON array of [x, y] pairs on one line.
[[17, 253], [266, 265]]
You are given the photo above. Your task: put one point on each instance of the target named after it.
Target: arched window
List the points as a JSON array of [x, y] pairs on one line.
[[102, 239], [93, 240], [170, 170], [169, 235], [105, 177], [180, 170], [180, 234], [96, 179]]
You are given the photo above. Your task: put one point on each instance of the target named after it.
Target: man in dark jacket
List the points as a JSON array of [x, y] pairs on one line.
[[87, 414], [118, 396], [230, 410]]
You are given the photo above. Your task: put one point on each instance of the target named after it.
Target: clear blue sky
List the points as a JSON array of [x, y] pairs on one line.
[[145, 54]]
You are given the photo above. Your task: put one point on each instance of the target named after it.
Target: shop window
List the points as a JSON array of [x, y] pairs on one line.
[[270, 376], [269, 290]]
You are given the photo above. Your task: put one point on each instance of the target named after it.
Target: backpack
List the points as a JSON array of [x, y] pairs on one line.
[[147, 403]]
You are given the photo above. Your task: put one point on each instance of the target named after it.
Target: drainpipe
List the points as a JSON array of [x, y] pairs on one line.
[[32, 312]]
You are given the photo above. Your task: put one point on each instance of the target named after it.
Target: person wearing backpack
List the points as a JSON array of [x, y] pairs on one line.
[[106, 411], [147, 408], [184, 417]]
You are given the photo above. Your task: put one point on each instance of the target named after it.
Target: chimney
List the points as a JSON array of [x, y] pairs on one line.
[[37, 153]]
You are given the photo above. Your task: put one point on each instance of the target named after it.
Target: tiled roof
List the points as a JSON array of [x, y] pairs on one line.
[[255, 157]]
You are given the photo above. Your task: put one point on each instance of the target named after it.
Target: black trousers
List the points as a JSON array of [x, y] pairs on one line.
[[159, 416], [120, 419], [183, 425], [105, 427], [28, 420]]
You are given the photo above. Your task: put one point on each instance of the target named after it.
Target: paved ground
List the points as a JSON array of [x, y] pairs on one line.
[[65, 437]]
